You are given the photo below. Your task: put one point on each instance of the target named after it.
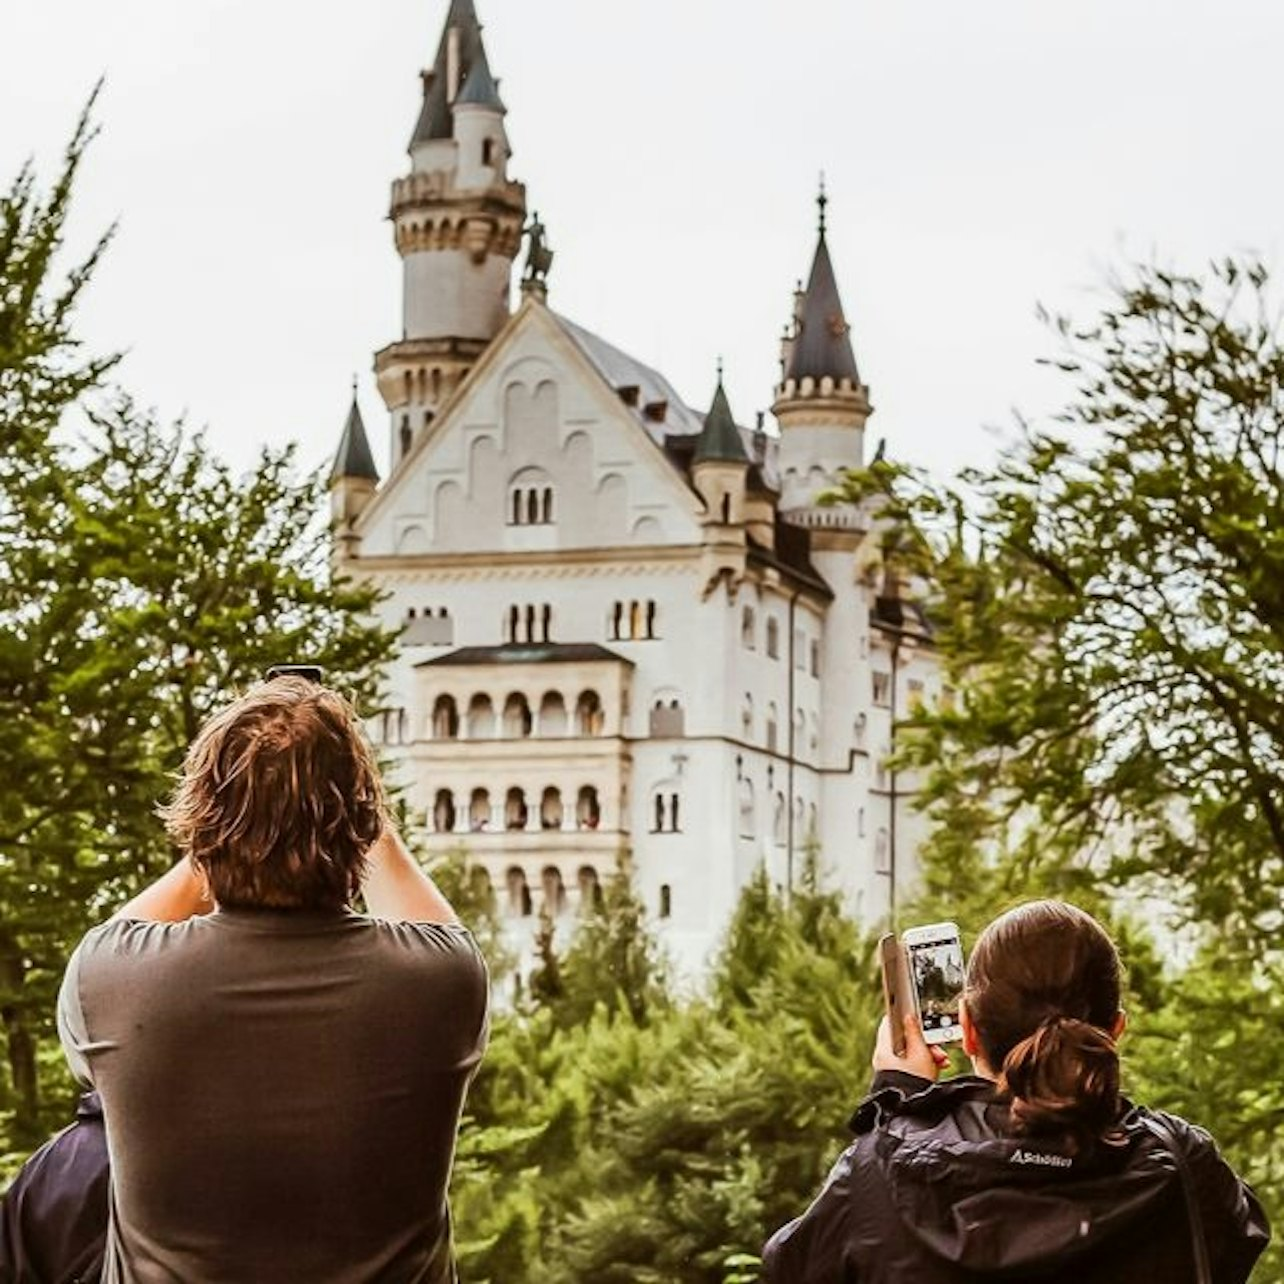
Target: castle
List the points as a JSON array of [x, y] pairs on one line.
[[628, 628]]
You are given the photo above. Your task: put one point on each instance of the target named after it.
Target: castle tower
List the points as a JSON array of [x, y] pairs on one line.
[[457, 220], [821, 404], [353, 480]]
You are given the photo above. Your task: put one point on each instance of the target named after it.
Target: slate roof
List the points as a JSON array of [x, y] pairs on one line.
[[720, 438], [527, 653], [353, 458], [823, 345], [480, 88], [435, 116]]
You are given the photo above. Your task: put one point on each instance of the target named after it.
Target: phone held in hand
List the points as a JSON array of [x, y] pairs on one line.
[[312, 672], [934, 958], [898, 1001]]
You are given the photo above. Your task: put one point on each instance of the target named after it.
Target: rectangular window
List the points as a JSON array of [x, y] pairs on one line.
[[914, 694], [815, 659], [882, 689], [800, 650]]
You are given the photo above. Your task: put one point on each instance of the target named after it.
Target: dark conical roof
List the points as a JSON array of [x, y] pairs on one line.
[[434, 117], [480, 87], [823, 344], [353, 458], [720, 438]]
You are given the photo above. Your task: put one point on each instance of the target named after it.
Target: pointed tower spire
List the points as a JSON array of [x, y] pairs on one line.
[[354, 459], [720, 438], [480, 89], [458, 49], [821, 404], [822, 342]]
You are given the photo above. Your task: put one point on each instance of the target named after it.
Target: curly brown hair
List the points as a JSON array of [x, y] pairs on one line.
[[280, 799]]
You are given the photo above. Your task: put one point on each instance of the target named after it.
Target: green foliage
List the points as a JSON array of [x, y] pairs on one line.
[[142, 585], [1109, 611], [662, 1142]]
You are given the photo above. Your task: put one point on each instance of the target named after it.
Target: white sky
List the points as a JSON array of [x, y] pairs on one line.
[[981, 157]]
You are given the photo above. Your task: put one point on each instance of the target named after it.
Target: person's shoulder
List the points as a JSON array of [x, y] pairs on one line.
[[447, 946], [123, 937]]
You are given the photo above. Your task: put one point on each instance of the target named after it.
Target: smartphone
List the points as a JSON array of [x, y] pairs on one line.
[[934, 956], [312, 672], [897, 999]]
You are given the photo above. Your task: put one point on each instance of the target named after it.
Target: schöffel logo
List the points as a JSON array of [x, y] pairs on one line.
[[1040, 1157]]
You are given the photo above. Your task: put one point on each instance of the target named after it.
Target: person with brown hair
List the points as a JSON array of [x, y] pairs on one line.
[[281, 1077], [1033, 1167]]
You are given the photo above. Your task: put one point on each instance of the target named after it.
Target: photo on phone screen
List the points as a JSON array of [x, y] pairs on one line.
[[936, 972]]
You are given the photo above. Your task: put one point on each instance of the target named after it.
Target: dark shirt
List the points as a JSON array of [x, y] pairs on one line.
[[282, 1091]]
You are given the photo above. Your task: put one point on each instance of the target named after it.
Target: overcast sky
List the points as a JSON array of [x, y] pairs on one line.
[[981, 157]]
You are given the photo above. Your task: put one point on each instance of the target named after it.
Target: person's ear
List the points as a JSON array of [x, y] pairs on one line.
[[1120, 1025], [971, 1046]]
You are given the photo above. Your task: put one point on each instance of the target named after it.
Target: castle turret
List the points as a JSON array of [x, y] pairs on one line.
[[821, 404], [458, 226], [353, 480]]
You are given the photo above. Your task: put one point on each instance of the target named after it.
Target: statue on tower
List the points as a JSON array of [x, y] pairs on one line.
[[539, 257]]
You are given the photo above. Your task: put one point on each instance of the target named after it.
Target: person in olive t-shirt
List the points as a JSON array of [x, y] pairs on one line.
[[281, 1077]]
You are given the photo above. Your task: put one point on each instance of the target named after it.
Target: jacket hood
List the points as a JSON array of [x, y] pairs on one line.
[[1007, 1206]]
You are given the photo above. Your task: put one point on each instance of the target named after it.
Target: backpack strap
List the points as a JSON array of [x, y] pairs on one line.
[[1158, 1126]]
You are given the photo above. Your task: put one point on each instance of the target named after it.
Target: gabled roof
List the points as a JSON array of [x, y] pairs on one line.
[[353, 458], [720, 438], [480, 88], [823, 343], [435, 115]]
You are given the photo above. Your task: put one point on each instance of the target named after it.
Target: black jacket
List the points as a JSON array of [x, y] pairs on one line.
[[53, 1218], [934, 1190]]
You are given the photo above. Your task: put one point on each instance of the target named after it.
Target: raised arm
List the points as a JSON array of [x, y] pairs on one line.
[[395, 887]]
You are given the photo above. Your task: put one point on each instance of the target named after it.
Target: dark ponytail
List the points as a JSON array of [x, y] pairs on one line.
[[1043, 995]]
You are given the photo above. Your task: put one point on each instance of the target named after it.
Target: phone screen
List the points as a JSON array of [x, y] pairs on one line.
[[936, 969]]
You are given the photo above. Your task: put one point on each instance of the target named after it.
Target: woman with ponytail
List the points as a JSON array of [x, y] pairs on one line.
[[1034, 1167]]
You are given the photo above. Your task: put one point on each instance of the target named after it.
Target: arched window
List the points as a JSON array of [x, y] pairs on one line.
[[589, 717], [445, 718], [635, 619], [515, 509], [747, 819], [530, 624], [726, 510], [403, 727], [588, 811], [860, 823], [800, 732], [813, 740], [554, 891], [858, 731], [517, 717], [779, 820], [657, 826], [552, 714], [675, 820], [813, 823], [772, 731], [515, 811], [773, 637], [479, 811], [798, 819], [532, 508], [590, 889], [443, 812], [746, 718], [481, 718], [748, 628], [546, 514], [551, 810], [546, 622], [519, 894], [514, 624], [488, 151], [650, 621], [617, 621], [666, 900]]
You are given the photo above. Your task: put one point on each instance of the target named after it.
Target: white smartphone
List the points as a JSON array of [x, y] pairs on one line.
[[935, 964]]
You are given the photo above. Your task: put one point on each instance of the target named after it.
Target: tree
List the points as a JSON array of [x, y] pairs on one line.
[[1109, 606], [141, 585]]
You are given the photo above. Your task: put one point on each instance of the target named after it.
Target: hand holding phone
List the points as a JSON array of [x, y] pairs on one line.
[[898, 1000], [935, 965]]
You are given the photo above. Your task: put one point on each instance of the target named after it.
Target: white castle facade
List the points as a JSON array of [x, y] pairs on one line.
[[629, 630]]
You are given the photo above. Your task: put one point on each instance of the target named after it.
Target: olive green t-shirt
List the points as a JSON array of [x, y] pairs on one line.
[[282, 1091]]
